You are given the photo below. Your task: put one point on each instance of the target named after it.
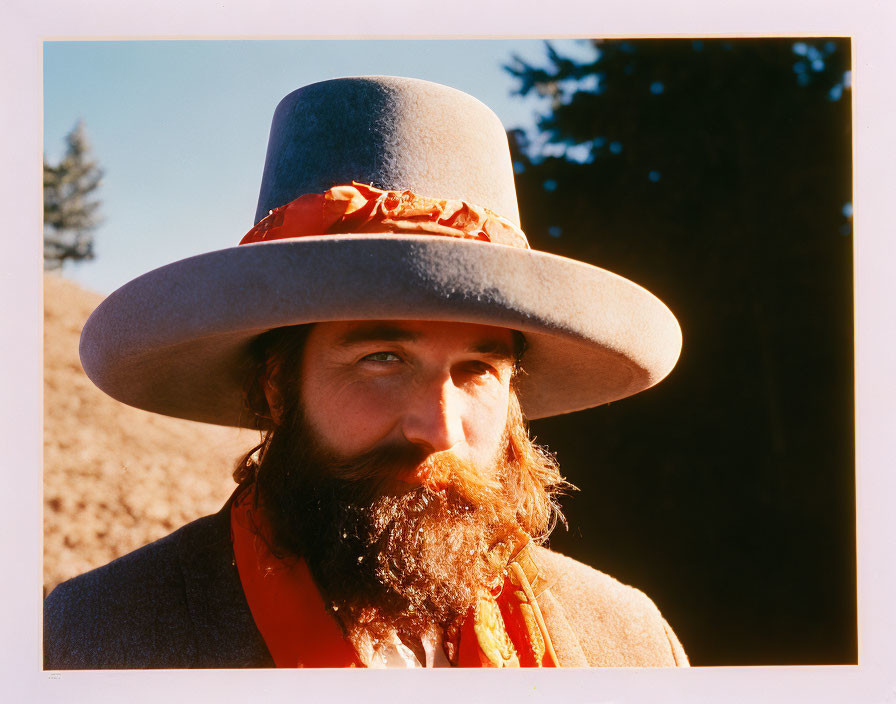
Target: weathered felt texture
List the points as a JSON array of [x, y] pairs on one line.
[[178, 603], [394, 133], [175, 340]]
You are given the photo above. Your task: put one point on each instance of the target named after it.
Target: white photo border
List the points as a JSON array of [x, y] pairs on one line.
[[26, 24]]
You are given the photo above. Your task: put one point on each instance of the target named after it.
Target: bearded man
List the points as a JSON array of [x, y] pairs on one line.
[[388, 328]]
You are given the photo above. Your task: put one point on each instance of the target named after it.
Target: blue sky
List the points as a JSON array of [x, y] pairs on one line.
[[181, 127]]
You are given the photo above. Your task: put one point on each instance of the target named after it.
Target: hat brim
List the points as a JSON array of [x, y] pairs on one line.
[[176, 340]]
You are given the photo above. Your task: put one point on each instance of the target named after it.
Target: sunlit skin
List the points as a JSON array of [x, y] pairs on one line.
[[442, 386]]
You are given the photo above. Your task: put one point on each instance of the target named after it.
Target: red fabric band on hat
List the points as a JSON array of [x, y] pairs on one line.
[[358, 208]]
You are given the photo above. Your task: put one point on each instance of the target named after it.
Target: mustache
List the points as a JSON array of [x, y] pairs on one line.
[[386, 469]]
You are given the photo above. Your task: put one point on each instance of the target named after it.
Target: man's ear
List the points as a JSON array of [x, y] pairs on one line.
[[272, 393]]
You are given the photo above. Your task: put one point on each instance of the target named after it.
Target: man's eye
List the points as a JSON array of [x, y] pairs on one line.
[[478, 368], [382, 357]]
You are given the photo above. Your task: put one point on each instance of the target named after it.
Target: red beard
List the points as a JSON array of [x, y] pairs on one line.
[[383, 556]]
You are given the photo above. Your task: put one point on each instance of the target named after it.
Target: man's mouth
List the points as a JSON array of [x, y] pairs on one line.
[[427, 474]]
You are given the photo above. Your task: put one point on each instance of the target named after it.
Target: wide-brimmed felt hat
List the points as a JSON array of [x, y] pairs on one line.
[[382, 198]]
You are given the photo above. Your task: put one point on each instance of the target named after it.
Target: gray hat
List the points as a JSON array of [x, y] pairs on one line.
[[176, 340]]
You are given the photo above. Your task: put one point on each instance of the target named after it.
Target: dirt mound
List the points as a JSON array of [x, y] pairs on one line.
[[115, 477]]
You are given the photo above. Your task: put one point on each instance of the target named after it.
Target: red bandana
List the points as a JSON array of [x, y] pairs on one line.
[[358, 208], [503, 631]]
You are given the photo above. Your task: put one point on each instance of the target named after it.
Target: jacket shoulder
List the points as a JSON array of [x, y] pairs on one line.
[[616, 625], [169, 604]]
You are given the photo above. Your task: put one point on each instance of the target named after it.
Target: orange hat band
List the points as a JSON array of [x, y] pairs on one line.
[[358, 208]]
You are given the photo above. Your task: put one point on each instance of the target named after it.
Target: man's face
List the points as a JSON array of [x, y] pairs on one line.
[[440, 386], [400, 468]]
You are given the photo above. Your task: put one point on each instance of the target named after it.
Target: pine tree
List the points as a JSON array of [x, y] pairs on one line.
[[716, 173], [70, 214]]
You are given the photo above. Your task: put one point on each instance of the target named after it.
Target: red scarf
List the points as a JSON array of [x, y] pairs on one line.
[[506, 630]]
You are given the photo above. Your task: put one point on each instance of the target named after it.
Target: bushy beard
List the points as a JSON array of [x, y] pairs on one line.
[[387, 556]]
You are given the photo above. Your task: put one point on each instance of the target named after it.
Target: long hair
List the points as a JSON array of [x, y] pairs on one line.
[[381, 560]]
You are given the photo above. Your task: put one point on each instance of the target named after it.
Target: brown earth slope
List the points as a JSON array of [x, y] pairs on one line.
[[115, 477]]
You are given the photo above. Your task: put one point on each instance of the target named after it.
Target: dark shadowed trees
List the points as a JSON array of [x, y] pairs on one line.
[[717, 174]]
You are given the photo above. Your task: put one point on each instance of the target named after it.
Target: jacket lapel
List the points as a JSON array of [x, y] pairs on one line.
[[565, 643], [224, 631]]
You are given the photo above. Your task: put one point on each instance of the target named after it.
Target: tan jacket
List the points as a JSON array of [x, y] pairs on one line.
[[597, 621], [179, 603]]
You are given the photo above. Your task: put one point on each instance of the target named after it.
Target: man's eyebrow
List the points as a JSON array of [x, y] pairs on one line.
[[377, 333], [383, 332], [494, 348]]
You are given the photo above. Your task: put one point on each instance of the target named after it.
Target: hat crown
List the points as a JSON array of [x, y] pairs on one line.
[[393, 133]]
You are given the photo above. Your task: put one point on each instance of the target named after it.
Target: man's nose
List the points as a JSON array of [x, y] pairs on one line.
[[433, 418]]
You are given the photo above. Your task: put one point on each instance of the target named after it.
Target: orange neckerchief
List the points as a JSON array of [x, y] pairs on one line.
[[506, 630]]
